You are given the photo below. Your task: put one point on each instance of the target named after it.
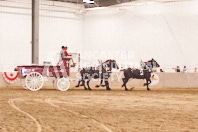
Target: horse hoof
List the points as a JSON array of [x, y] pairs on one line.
[[108, 89], [86, 89], [77, 86], [90, 89], [97, 86], [126, 90], [82, 85], [103, 85], [148, 89]]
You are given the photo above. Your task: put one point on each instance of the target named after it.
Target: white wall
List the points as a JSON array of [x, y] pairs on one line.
[[15, 35], [59, 25], [167, 32]]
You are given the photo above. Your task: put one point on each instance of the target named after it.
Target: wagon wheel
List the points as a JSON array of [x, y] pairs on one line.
[[34, 81], [23, 84], [63, 84]]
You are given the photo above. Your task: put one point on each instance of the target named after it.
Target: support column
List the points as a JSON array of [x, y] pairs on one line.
[[35, 31]]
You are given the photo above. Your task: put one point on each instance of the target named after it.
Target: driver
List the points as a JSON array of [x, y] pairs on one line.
[[62, 55], [66, 55]]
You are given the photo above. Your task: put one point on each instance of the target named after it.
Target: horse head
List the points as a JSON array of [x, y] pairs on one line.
[[111, 64], [152, 63]]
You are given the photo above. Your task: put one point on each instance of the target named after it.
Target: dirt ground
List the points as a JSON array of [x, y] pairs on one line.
[[47, 110]]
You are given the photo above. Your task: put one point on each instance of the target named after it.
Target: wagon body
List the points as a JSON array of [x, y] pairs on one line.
[[32, 75], [62, 70]]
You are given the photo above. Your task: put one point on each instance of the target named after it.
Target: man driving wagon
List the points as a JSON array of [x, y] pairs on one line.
[[64, 54]]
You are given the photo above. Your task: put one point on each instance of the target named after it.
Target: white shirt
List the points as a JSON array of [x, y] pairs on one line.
[[185, 70]]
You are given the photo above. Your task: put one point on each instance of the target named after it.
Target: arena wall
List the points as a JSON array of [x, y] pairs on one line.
[[59, 25], [166, 80], [166, 32]]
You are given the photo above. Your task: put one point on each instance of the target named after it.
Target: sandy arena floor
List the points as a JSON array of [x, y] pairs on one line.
[[47, 110]]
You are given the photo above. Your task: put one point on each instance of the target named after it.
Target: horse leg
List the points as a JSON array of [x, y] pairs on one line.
[[145, 84], [88, 85], [148, 84], [101, 83], [84, 84], [79, 83], [107, 85], [123, 79], [125, 82]]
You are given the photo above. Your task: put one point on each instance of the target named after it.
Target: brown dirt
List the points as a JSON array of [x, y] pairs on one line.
[[164, 109]]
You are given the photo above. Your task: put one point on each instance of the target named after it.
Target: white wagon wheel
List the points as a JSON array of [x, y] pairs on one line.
[[63, 84], [34, 81], [23, 84]]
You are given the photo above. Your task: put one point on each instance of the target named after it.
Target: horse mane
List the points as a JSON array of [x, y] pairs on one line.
[[152, 60], [107, 60]]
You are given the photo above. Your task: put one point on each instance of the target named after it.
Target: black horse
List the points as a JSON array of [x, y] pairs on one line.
[[103, 72], [136, 73]]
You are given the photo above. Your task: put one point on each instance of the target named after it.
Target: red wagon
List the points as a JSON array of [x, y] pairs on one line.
[[32, 75]]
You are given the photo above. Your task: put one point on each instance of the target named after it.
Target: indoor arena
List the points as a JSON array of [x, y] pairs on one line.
[[98, 65]]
